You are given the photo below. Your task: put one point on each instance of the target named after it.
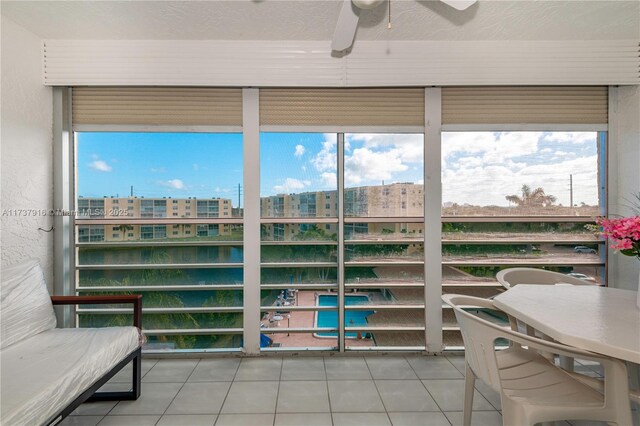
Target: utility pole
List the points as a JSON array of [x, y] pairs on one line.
[[132, 190], [571, 190], [238, 197]]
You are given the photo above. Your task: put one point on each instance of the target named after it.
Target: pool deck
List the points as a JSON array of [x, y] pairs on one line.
[[305, 319]]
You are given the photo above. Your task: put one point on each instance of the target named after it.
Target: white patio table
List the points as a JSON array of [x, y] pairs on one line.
[[598, 319]]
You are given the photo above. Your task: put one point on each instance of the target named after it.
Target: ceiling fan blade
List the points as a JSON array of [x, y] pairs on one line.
[[345, 28], [459, 4]]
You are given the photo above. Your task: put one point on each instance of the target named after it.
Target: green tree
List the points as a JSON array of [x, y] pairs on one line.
[[124, 228], [317, 234]]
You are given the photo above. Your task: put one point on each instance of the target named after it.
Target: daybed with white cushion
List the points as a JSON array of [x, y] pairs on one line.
[[47, 372]]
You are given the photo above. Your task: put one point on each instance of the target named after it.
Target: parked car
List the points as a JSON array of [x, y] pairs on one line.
[[583, 249], [582, 276]]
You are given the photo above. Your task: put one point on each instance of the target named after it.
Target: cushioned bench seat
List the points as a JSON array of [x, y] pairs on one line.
[[47, 372], [44, 373]]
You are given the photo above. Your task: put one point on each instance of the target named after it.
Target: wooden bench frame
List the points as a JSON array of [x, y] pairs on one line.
[[91, 394]]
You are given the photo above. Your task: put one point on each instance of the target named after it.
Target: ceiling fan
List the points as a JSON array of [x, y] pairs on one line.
[[350, 14]]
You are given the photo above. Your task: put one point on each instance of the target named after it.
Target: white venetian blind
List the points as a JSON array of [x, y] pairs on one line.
[[342, 107], [531, 105], [157, 106]]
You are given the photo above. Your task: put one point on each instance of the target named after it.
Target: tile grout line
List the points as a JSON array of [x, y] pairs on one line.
[[499, 410], [326, 381], [177, 393], [275, 409], [454, 366], [474, 386], [233, 380], [378, 390], [194, 370], [434, 400], [429, 393], [141, 377]]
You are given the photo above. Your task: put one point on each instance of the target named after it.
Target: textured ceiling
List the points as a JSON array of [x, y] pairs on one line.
[[315, 20]]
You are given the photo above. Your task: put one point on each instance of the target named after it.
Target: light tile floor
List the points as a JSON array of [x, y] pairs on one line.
[[305, 391]]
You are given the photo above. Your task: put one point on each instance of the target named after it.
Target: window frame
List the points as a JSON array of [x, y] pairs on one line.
[[65, 180], [159, 218]]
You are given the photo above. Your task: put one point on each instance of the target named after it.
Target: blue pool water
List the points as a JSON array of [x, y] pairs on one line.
[[352, 318]]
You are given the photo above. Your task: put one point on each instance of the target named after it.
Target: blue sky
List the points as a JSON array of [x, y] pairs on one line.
[[286, 162], [159, 164], [479, 168]]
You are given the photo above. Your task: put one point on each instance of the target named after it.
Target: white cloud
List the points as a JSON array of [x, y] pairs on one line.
[[329, 180], [325, 159], [378, 157], [291, 185], [299, 151], [100, 165], [468, 163], [409, 145], [572, 137], [493, 148], [470, 142], [174, 184], [367, 165], [158, 170]]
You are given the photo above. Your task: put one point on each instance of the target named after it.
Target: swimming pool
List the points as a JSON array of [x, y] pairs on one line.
[[352, 318]]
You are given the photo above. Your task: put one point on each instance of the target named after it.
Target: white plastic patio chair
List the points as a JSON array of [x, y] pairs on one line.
[[513, 276], [533, 389]]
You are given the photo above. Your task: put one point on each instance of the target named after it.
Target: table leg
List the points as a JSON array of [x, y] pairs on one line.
[[634, 387]]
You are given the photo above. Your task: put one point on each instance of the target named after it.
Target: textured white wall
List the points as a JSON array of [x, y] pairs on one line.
[[316, 20], [26, 150], [624, 172]]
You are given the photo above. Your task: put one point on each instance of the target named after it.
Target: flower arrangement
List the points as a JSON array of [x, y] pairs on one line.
[[623, 234]]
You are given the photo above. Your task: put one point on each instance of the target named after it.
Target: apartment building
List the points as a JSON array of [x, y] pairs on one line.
[[151, 208], [391, 200]]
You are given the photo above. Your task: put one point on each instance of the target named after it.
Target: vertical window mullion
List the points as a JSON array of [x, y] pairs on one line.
[[433, 219], [340, 231], [63, 151], [602, 195], [251, 158]]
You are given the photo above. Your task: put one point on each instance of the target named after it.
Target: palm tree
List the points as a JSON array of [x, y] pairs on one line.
[[529, 198], [124, 228]]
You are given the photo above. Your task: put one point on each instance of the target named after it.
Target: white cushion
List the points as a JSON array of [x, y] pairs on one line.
[[44, 373], [25, 305]]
